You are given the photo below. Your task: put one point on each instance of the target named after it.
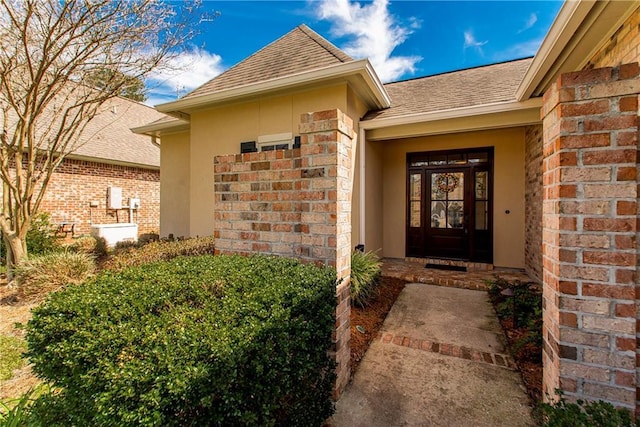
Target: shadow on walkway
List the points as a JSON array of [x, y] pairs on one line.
[[440, 361]]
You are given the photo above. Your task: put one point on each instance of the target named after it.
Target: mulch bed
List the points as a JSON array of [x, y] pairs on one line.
[[371, 317], [528, 358]]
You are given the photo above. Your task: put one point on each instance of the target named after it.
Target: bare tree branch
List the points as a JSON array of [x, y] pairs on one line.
[[50, 54]]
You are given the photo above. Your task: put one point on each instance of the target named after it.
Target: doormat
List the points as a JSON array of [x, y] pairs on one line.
[[446, 267]]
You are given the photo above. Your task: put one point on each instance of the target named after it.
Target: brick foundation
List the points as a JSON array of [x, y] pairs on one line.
[[590, 255], [295, 203]]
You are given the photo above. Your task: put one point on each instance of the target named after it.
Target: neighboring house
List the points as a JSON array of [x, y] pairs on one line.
[[527, 164], [108, 155]]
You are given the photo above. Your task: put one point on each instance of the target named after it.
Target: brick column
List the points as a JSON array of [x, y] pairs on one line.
[[327, 139], [295, 203], [590, 256]]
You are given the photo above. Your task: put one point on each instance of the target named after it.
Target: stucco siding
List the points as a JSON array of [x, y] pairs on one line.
[[220, 131], [175, 183]]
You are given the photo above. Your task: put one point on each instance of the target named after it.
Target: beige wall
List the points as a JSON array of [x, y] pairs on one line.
[[508, 189], [221, 130], [174, 182], [355, 109]]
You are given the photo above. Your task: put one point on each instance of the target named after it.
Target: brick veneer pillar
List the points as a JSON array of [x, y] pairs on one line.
[[295, 203], [334, 130], [590, 226]]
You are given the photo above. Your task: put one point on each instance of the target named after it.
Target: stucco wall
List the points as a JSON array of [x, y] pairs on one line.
[[622, 48], [220, 131], [509, 178], [175, 183], [77, 183]]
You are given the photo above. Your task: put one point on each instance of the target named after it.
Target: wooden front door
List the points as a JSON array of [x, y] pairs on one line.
[[449, 205]]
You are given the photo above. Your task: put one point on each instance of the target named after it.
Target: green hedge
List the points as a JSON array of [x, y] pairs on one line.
[[223, 340]]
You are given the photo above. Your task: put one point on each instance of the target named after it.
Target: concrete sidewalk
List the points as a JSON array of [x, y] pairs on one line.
[[441, 361]]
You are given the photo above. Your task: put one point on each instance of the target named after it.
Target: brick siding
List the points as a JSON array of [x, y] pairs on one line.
[[533, 202], [623, 46], [76, 183], [295, 203], [590, 227]]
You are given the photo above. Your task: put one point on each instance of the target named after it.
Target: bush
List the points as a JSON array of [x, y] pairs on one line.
[[41, 237], [365, 272], [223, 340], [132, 256], [562, 413], [20, 412], [527, 303], [37, 276]]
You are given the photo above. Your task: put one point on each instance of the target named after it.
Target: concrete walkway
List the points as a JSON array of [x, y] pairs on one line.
[[440, 361]]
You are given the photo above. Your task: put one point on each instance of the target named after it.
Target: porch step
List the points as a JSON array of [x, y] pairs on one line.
[[435, 262]]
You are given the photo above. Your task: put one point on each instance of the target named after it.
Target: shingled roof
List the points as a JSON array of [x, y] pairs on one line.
[[465, 88], [300, 50], [109, 138]]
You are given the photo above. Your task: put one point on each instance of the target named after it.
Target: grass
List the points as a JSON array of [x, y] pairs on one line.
[[11, 349]]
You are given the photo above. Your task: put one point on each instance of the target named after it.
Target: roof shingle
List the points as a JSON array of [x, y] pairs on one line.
[[300, 50], [465, 88]]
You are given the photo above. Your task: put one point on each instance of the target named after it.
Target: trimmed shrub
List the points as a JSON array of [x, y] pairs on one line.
[[223, 340], [133, 256], [563, 413], [365, 272], [37, 276]]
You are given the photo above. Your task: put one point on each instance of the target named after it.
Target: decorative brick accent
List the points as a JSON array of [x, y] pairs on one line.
[[76, 183], [295, 203], [590, 255], [453, 350], [533, 202]]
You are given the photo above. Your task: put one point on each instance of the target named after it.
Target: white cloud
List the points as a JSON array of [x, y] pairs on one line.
[[471, 42], [533, 18], [185, 72], [374, 34], [519, 50]]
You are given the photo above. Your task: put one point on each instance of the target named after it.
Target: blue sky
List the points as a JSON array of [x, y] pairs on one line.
[[403, 39]]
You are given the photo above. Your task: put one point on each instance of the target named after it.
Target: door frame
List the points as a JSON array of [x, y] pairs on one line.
[[479, 242]]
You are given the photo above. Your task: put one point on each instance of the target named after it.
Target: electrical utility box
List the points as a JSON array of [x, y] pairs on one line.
[[114, 198]]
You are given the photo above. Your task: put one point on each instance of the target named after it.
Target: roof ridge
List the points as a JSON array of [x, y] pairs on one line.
[[338, 53], [460, 70]]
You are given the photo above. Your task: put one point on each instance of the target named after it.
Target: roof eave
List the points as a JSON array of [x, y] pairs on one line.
[[453, 113], [112, 161], [563, 48], [156, 129], [360, 70]]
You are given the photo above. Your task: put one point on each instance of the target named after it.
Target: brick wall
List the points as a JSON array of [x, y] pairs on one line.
[[533, 202], [77, 183], [590, 228], [295, 203], [622, 48]]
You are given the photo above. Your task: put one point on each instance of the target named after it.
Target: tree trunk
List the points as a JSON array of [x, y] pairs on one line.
[[15, 253]]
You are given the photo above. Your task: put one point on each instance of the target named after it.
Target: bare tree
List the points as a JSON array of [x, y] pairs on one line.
[[50, 53]]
